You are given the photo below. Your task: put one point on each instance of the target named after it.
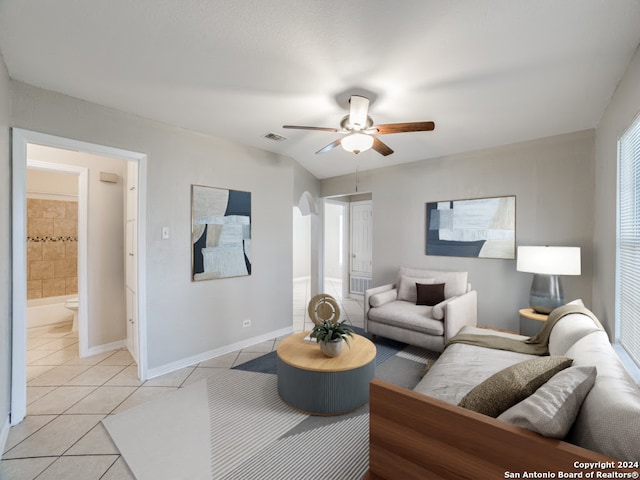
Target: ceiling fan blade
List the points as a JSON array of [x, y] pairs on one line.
[[358, 111], [405, 127], [381, 147], [321, 129], [331, 146]]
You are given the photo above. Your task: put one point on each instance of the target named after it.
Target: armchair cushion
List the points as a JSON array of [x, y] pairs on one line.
[[408, 316], [429, 294], [455, 282], [379, 299], [407, 287]]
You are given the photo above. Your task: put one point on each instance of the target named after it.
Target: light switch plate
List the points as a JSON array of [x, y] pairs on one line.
[[165, 233]]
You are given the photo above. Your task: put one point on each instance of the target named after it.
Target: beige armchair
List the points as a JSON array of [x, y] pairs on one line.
[[403, 310]]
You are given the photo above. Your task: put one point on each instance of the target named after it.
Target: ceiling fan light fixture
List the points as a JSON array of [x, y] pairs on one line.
[[359, 107], [357, 142]]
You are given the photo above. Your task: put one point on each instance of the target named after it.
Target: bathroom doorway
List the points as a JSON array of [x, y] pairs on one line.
[[56, 239], [96, 341]]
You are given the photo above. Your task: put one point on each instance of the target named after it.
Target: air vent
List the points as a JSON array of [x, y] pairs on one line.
[[275, 137]]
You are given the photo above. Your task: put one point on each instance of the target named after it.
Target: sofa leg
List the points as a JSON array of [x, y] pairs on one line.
[[373, 338]]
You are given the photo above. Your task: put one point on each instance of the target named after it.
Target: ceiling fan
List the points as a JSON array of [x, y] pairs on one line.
[[360, 131]]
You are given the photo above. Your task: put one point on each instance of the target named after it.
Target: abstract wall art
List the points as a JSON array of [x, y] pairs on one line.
[[220, 232], [481, 227]]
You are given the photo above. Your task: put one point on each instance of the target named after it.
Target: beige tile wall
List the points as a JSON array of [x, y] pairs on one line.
[[52, 248]]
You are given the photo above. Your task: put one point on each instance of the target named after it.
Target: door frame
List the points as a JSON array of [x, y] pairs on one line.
[[20, 139], [344, 245]]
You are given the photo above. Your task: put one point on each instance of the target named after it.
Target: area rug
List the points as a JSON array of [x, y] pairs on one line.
[[233, 425]]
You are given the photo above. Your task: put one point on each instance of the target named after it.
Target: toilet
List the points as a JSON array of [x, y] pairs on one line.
[[72, 304]]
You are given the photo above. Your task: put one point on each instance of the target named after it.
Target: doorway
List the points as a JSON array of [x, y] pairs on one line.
[[21, 140], [49, 276], [348, 244]]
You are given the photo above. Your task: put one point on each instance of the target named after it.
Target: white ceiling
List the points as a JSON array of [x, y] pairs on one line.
[[488, 72]]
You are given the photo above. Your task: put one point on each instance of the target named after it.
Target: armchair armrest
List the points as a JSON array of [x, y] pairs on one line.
[[369, 293], [460, 311]]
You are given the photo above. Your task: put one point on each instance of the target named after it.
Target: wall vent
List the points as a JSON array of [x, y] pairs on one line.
[[359, 284], [275, 137]]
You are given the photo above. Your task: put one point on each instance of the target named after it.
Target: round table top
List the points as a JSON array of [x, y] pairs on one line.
[[294, 351], [533, 315]]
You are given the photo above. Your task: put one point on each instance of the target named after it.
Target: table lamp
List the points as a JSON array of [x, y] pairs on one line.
[[546, 263]]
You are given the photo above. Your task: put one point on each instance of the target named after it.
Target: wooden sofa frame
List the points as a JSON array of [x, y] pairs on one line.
[[413, 436]]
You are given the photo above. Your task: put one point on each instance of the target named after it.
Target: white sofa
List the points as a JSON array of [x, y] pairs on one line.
[[609, 419], [391, 311], [433, 426]]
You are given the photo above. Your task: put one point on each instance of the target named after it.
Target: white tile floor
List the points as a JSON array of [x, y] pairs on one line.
[[68, 396]]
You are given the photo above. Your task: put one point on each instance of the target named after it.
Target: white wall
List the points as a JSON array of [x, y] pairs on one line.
[[301, 245], [553, 180], [619, 114], [5, 253], [186, 318], [307, 230], [51, 185], [105, 242]]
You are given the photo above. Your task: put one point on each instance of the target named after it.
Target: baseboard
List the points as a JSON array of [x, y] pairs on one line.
[[4, 434], [185, 362], [107, 347]]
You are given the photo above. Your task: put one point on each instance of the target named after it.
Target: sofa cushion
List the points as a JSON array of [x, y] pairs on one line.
[[407, 287], [430, 295], [379, 299], [609, 420], [512, 385], [407, 315], [553, 408], [461, 367]]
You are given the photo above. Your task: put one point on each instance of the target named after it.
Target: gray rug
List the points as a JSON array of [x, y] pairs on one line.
[[233, 425]]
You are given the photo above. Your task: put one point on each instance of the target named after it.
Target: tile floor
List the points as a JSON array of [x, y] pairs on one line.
[[62, 436]]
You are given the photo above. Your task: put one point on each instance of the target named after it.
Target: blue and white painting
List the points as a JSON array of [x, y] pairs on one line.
[[221, 232], [482, 227]]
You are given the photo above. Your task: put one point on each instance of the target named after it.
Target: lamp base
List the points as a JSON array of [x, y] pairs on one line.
[[546, 293]]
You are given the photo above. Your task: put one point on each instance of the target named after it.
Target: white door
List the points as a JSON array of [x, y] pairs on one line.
[[361, 239]]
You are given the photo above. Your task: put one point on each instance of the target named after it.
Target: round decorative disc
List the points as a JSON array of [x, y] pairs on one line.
[[323, 307]]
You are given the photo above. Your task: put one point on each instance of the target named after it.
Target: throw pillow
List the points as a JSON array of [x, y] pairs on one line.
[[429, 294], [407, 287], [513, 384], [553, 408]]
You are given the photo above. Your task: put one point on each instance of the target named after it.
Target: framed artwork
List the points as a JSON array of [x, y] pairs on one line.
[[481, 227], [220, 233]]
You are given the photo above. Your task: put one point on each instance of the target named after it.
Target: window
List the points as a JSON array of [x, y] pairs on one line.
[[628, 243]]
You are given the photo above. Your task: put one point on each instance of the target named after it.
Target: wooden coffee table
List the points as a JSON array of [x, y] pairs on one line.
[[319, 385]]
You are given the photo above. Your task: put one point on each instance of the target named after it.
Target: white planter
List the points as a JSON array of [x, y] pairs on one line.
[[332, 348]]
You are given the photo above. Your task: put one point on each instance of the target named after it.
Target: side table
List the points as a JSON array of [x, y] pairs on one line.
[[531, 322]]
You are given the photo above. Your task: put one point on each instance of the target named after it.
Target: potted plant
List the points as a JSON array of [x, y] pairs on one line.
[[330, 335]]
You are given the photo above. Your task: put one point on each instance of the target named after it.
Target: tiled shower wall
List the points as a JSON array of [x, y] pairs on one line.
[[52, 248]]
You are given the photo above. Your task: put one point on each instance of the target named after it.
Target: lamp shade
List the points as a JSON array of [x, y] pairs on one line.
[[357, 142], [549, 260]]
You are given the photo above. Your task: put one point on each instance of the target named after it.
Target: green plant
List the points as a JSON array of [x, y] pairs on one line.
[[327, 331]]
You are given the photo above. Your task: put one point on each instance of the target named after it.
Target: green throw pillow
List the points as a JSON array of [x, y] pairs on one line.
[[507, 387]]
